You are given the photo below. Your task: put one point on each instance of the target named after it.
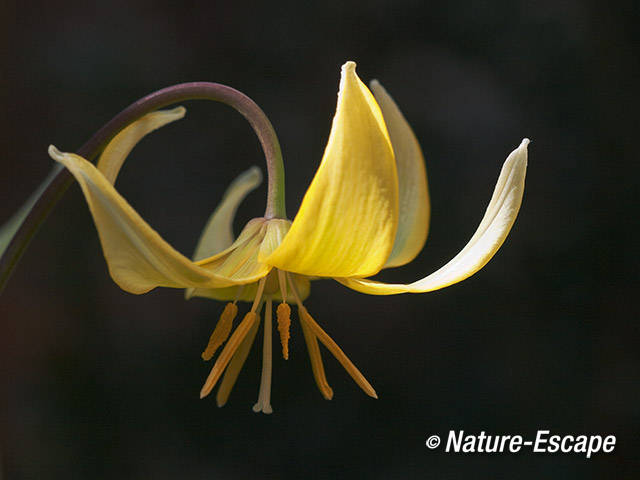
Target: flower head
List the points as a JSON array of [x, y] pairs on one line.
[[366, 209]]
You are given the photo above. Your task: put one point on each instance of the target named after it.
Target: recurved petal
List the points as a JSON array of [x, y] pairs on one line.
[[348, 219], [118, 149], [218, 232], [491, 233], [413, 195], [138, 258]]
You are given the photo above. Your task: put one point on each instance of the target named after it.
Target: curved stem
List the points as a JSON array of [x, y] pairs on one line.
[[154, 101]]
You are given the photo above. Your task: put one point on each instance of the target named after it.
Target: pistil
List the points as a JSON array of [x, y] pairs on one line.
[[264, 396]]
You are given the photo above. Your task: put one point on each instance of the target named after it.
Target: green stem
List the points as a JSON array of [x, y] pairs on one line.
[[162, 98]]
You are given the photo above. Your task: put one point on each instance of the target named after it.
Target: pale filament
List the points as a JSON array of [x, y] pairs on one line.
[[264, 396], [282, 280], [238, 293], [256, 301]]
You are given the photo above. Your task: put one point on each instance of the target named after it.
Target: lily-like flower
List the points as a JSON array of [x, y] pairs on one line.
[[366, 209]]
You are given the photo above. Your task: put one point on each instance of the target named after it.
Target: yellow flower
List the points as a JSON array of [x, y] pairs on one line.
[[366, 209]]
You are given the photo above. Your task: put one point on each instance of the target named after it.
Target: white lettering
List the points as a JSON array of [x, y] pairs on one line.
[[594, 448], [540, 440], [609, 444], [515, 445], [544, 442], [456, 442]]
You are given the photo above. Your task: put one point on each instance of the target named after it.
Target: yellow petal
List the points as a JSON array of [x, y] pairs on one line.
[[118, 149], [491, 233], [218, 232], [138, 258], [348, 218], [414, 209]]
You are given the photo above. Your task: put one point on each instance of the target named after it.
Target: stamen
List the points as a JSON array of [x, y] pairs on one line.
[[294, 289], [283, 314], [316, 361], [234, 342], [221, 332], [238, 293], [317, 367], [264, 396], [227, 352], [258, 298], [283, 285], [337, 352], [235, 366]]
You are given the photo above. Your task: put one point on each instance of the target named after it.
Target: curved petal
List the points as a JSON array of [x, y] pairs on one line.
[[348, 218], [138, 258], [413, 195], [218, 232], [491, 233], [118, 149]]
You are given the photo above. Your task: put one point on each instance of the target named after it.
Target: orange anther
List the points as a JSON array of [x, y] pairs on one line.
[[221, 332], [283, 314]]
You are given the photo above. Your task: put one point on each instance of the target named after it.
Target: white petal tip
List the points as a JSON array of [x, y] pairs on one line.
[[349, 67], [54, 153], [525, 142]]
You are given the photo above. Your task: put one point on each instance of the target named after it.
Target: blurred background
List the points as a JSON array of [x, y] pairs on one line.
[[98, 383]]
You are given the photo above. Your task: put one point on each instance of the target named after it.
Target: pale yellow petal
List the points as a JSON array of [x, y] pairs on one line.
[[277, 229], [217, 234], [118, 149], [241, 262], [491, 233], [138, 258], [348, 218], [414, 209]]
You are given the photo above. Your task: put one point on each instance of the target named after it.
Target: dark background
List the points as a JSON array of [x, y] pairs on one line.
[[98, 383]]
